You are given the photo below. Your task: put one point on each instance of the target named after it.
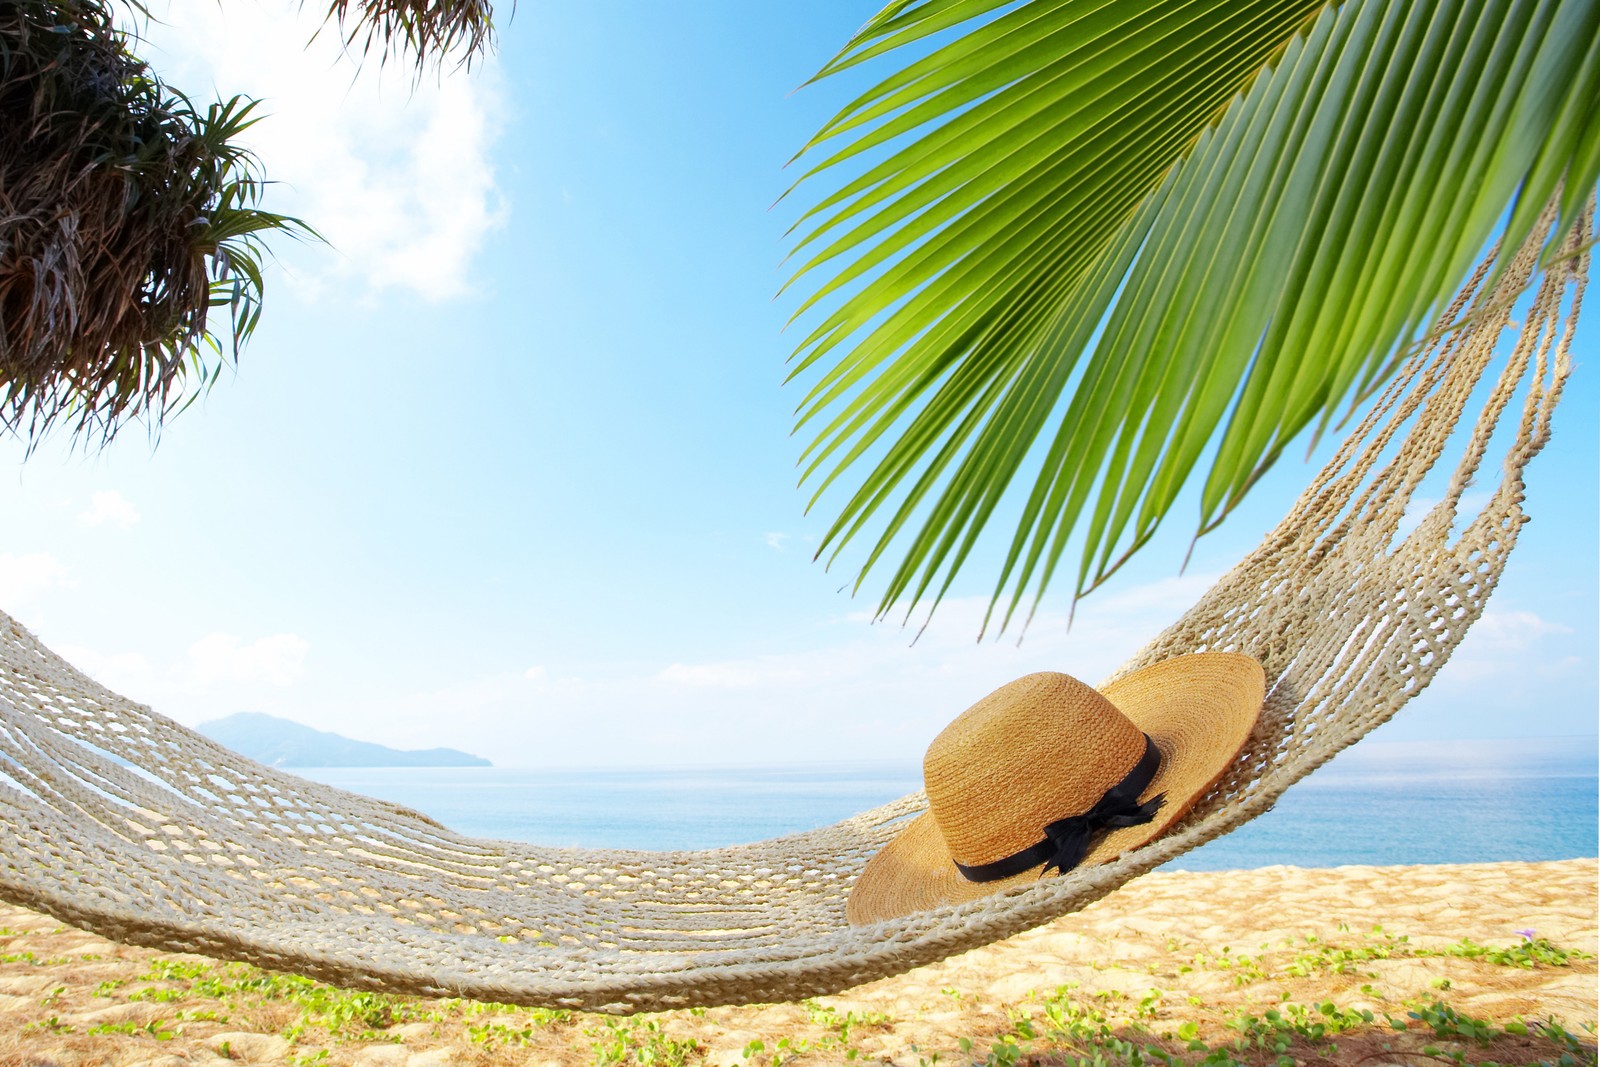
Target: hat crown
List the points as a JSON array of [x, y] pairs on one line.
[[1036, 750]]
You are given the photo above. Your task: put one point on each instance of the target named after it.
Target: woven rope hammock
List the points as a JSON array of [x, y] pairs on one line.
[[125, 823]]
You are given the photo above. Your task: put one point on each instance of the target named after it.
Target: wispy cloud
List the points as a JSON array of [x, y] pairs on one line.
[[775, 540], [741, 674], [109, 507], [278, 660], [125, 673], [859, 692], [216, 675], [1504, 645], [1515, 631], [397, 176], [23, 577]]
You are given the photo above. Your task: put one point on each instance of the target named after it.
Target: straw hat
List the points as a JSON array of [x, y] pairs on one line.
[[1046, 772]]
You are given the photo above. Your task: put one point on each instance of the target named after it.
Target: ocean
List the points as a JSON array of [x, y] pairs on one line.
[[1378, 803]]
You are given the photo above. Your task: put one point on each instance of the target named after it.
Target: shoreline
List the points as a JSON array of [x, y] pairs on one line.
[[1187, 963]]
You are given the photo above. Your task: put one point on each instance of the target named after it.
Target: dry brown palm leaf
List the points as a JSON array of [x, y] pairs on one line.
[[425, 30]]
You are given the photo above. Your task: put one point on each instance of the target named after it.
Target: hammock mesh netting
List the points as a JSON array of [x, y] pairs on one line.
[[121, 821]]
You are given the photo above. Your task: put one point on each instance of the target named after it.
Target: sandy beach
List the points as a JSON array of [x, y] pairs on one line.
[[1463, 964]]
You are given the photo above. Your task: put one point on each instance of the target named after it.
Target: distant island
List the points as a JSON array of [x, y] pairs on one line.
[[282, 743]]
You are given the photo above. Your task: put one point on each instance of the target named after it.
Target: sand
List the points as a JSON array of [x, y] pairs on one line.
[[1265, 966]]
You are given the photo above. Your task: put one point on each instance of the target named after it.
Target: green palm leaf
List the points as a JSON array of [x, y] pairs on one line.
[[1115, 242]]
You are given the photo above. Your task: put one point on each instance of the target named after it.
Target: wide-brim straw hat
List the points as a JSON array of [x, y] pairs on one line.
[[1047, 759]]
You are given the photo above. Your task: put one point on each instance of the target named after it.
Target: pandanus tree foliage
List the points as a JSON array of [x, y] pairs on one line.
[[131, 219], [1078, 253]]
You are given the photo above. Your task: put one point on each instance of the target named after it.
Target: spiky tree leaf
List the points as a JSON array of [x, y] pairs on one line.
[[128, 216]]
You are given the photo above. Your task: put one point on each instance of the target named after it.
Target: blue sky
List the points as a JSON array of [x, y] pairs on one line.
[[508, 467]]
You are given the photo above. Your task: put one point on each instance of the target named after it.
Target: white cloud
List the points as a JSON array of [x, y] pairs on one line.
[[1515, 630], [746, 674], [1503, 646], [126, 673], [859, 692], [278, 660], [396, 175], [24, 577], [109, 506], [217, 675], [775, 540]]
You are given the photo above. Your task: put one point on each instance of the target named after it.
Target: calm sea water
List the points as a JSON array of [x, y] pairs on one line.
[[1383, 803]]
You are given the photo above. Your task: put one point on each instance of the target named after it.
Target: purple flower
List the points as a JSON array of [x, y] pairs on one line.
[[1527, 935]]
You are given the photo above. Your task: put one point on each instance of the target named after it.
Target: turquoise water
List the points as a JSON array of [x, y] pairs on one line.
[[1399, 802]]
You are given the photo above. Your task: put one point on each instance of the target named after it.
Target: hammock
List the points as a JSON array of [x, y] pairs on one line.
[[122, 822]]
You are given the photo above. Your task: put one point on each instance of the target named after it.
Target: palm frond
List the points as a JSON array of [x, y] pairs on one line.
[[1128, 244]]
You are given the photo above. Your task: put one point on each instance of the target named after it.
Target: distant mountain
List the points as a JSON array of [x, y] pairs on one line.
[[281, 743]]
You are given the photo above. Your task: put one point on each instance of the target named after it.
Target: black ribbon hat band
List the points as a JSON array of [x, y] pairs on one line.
[[1067, 841]]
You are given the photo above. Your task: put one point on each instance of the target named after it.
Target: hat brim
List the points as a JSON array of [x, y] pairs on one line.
[[1199, 710]]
